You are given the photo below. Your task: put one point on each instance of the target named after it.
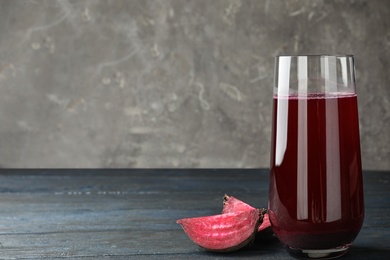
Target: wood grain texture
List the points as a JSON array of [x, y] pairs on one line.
[[126, 214]]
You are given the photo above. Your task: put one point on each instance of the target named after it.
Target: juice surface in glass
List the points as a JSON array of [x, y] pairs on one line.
[[316, 190]]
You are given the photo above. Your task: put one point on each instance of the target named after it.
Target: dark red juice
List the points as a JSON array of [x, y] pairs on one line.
[[316, 190]]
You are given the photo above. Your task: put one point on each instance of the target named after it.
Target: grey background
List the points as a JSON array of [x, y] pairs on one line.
[[173, 83]]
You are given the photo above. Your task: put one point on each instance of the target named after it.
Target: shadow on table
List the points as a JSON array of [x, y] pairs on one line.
[[371, 253], [271, 248]]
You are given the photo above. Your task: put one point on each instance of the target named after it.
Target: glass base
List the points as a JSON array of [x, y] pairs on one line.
[[318, 253]]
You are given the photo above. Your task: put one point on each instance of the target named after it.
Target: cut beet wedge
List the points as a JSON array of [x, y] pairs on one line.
[[225, 232], [232, 204]]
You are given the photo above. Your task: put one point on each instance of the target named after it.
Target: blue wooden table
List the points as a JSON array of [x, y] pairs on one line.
[[131, 214]]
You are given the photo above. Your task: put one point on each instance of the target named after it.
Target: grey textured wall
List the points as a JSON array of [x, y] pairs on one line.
[[173, 83]]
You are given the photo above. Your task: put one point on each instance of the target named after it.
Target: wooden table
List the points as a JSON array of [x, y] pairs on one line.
[[131, 214]]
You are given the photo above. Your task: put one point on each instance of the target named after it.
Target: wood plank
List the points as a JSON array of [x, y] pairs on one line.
[[132, 213]]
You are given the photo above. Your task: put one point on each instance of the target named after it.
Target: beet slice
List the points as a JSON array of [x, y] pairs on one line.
[[265, 224], [232, 204], [225, 232]]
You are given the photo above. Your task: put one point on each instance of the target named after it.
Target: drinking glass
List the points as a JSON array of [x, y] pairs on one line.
[[316, 192]]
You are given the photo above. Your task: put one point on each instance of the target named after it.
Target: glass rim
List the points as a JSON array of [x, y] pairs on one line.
[[315, 55]]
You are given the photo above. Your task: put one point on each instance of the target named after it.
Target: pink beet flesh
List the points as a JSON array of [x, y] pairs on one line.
[[265, 224], [224, 232], [231, 204]]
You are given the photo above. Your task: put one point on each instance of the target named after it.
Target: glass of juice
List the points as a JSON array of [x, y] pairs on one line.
[[316, 202]]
